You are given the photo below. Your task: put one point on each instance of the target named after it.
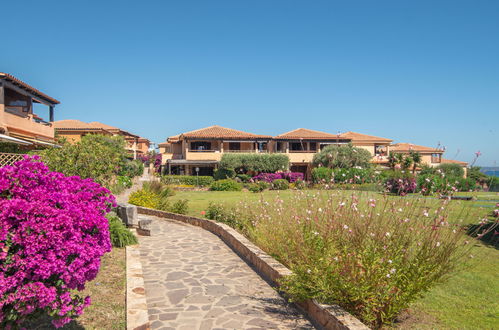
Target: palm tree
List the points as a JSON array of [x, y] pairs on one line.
[[416, 160]]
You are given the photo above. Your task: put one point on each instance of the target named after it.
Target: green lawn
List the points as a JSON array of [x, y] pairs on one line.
[[467, 300]]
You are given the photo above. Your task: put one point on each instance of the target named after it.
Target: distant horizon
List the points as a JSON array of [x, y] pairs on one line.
[[420, 72]]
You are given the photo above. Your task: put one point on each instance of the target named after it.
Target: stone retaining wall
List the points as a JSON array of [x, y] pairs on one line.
[[324, 316]]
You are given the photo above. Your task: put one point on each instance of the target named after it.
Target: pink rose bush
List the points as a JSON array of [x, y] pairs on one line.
[[53, 233]]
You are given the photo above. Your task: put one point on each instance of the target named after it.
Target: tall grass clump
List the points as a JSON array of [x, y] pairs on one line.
[[371, 256]]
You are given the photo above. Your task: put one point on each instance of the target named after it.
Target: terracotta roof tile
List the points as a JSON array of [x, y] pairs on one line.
[[25, 86], [363, 137], [406, 147], [304, 133], [219, 132], [74, 124], [452, 161]]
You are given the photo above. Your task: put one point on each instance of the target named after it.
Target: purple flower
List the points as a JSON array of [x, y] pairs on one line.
[[53, 232]]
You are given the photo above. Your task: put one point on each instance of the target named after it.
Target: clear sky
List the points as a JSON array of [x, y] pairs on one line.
[[425, 72]]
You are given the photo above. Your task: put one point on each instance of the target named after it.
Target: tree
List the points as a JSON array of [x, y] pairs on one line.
[[96, 156], [416, 160], [342, 156], [452, 170], [256, 163]]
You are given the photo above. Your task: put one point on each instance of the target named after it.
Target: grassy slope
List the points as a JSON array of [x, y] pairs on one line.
[[467, 300]]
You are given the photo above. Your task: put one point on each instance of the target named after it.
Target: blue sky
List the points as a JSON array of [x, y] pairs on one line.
[[424, 72]]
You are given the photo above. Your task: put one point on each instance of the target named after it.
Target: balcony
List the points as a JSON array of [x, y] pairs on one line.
[[26, 124]]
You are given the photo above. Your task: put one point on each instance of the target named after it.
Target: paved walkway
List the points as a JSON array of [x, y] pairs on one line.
[[194, 281]]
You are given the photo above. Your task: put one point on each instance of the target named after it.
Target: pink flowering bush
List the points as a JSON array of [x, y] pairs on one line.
[[271, 177], [53, 233], [371, 254]]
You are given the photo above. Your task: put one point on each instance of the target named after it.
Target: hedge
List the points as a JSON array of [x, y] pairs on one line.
[[192, 180]]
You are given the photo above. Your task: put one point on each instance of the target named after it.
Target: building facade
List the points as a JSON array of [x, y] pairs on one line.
[[73, 130], [18, 121]]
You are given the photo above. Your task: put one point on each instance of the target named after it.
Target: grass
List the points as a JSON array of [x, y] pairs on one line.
[[467, 300], [107, 292]]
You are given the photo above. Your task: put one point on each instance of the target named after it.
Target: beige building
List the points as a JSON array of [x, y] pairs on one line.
[[18, 122], [200, 151], [73, 130]]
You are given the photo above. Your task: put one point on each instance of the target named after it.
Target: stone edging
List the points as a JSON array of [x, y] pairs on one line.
[[137, 317], [323, 316]]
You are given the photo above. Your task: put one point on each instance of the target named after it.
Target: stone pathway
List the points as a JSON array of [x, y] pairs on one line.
[[193, 280]]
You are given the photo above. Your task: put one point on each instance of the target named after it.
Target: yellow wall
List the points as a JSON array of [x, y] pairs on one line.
[[25, 126]]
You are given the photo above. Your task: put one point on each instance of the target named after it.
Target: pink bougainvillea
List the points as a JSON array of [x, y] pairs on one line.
[[53, 233]]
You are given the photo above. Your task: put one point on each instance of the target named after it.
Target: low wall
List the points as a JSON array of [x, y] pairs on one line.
[[323, 316]]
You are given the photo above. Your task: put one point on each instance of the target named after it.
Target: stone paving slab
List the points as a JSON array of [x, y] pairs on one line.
[[193, 280]]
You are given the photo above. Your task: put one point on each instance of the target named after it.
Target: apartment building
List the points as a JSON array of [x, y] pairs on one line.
[[18, 121], [199, 151], [72, 130]]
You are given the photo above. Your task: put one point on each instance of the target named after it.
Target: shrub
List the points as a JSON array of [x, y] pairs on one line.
[[121, 236], [342, 156], [98, 157], [372, 257], [452, 170], [224, 173], [439, 183], [243, 177], [159, 188], [11, 148], [258, 186], [322, 175], [243, 163], [132, 168], [353, 175], [298, 184], [292, 176], [144, 198], [193, 180], [267, 177], [226, 185], [280, 184], [180, 206], [125, 181], [229, 216], [400, 182], [270, 177], [53, 233]]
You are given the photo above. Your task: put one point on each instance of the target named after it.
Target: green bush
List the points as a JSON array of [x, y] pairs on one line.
[[255, 163], [229, 216], [442, 184], [132, 168], [298, 185], [243, 177], [125, 181], [120, 235], [192, 180], [159, 188], [258, 186], [11, 148], [452, 170], [144, 198], [98, 157], [353, 175], [226, 185], [342, 156], [280, 184], [224, 173], [322, 175], [180, 206]]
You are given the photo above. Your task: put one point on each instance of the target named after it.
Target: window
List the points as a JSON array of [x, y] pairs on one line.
[[436, 158], [379, 150], [313, 146], [200, 146], [234, 145], [262, 146], [296, 146]]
